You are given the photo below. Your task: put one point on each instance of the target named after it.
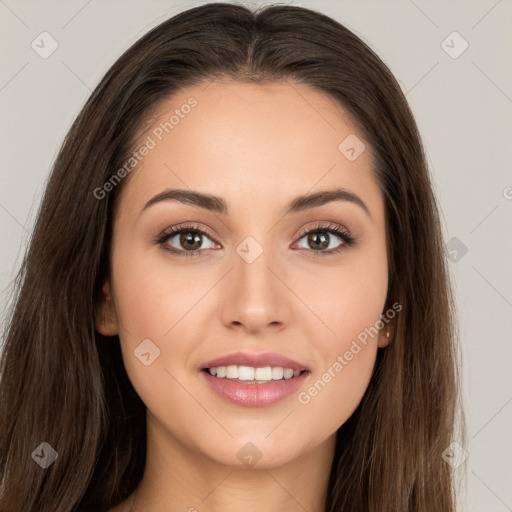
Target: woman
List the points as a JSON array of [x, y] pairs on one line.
[[302, 355]]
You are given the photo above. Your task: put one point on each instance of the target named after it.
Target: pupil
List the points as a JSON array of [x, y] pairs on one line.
[[191, 237], [313, 239]]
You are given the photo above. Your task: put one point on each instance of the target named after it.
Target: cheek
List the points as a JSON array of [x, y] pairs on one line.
[[349, 303], [348, 299], [151, 294], [333, 394], [337, 385], [151, 299], [357, 299]]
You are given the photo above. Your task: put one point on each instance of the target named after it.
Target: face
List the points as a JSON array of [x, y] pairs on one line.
[[255, 283]]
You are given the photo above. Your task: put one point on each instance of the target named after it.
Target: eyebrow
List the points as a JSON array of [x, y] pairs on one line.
[[219, 205]]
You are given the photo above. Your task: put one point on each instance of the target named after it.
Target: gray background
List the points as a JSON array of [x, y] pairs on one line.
[[462, 106]]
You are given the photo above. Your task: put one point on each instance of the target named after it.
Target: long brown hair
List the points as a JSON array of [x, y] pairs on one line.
[[63, 383]]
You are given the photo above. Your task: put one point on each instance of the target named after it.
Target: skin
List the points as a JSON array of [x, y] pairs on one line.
[[257, 146]]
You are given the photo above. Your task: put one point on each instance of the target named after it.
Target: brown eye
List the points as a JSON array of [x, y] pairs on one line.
[[184, 240], [190, 240], [322, 239], [318, 240]]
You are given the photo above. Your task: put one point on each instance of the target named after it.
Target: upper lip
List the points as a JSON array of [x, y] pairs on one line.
[[255, 360]]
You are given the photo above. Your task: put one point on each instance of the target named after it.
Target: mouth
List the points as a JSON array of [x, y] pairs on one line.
[[254, 380], [254, 387]]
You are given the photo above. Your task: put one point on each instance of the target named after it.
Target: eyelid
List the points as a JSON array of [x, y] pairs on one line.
[[320, 225], [173, 230]]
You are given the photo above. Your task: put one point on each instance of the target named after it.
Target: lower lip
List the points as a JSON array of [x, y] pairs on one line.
[[254, 395]]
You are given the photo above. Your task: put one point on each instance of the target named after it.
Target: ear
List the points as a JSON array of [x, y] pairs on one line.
[[386, 335], [106, 318]]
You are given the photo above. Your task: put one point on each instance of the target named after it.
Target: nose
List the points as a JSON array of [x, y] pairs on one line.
[[255, 296]]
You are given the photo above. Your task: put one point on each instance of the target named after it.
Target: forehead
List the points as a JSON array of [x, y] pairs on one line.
[[251, 142]]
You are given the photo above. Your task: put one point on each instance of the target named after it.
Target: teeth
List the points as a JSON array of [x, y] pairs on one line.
[[277, 373], [231, 372], [261, 373], [249, 373]]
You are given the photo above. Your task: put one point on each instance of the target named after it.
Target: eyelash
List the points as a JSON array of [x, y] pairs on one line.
[[348, 240]]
